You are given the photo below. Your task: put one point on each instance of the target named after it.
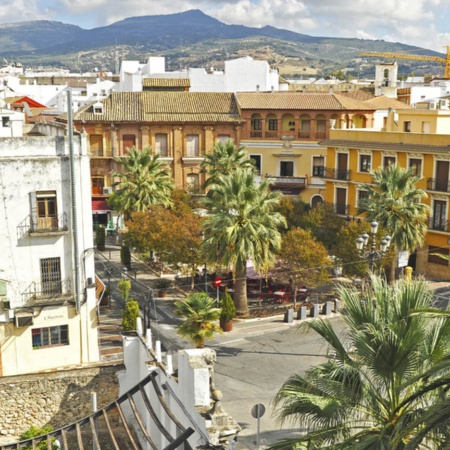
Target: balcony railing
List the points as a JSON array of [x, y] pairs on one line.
[[439, 224], [256, 134], [337, 174], [271, 134], [47, 291], [437, 185], [304, 134], [299, 182], [321, 134], [341, 209], [50, 223]]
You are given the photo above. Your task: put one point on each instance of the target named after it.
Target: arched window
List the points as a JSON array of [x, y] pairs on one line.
[[288, 123], [359, 121], [316, 200], [321, 127], [305, 127], [256, 126]]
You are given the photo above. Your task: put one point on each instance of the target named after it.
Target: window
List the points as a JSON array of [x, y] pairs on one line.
[[6, 122], [365, 162], [96, 144], [362, 195], [272, 124], [192, 148], [128, 141], [51, 276], [50, 337], [193, 183], [388, 160], [318, 166], [97, 108], [256, 124], [425, 127], [407, 127], [224, 138], [286, 169], [433, 258], [46, 210], [98, 183], [257, 162], [161, 144], [415, 164]]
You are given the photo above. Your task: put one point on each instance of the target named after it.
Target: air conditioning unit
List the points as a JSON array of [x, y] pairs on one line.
[[432, 105], [443, 103], [23, 320], [107, 190]]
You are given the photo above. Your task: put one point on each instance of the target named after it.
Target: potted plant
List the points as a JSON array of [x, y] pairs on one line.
[[228, 312], [130, 315], [162, 285], [125, 256], [100, 237]]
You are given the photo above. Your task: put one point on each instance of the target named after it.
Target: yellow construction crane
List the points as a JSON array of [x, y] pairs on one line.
[[394, 55]]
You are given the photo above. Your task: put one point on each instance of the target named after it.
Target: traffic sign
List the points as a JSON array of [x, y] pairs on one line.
[[217, 281], [258, 410]]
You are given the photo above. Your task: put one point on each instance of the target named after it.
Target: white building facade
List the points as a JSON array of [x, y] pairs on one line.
[[48, 313]]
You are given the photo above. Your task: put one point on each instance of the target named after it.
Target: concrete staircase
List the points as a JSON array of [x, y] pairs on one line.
[[110, 340]]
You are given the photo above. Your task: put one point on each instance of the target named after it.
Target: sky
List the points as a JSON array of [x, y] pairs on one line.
[[414, 22]]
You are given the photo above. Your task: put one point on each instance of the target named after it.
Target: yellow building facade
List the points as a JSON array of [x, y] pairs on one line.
[[352, 154]]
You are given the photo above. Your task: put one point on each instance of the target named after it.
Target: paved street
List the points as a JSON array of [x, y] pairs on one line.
[[253, 360]]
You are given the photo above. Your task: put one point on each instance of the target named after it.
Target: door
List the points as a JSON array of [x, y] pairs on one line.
[[439, 215], [341, 196], [286, 169], [342, 166], [442, 176]]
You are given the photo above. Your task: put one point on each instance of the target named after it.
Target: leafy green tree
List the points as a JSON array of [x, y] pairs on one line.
[[33, 432], [395, 203], [144, 181], [303, 260], [130, 315], [293, 209], [200, 317], [323, 224], [224, 160], [387, 381], [243, 223]]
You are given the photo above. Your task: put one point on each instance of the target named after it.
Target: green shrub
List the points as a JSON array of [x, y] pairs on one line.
[[228, 307], [125, 256], [130, 315], [124, 287], [35, 432], [100, 237]]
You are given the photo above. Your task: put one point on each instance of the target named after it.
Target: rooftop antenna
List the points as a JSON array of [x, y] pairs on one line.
[[116, 59]]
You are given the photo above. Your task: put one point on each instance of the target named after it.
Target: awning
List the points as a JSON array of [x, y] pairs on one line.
[[100, 207]]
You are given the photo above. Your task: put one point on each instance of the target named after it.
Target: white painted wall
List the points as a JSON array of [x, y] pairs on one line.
[[27, 165]]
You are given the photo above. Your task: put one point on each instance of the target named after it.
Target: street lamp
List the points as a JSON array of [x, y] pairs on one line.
[[372, 254], [202, 235]]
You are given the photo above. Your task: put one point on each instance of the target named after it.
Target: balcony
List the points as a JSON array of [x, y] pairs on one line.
[[439, 224], [48, 292], [50, 224], [304, 134], [271, 134], [341, 209], [337, 174], [256, 134], [287, 185], [321, 134], [437, 185]]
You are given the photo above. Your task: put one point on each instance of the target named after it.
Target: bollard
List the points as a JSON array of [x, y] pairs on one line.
[[314, 311], [158, 351], [336, 305], [169, 365], [327, 308], [301, 313], [139, 329], [289, 316], [148, 338]]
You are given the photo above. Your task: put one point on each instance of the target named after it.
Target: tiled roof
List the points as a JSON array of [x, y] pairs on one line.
[[388, 146], [149, 106], [166, 82], [383, 102], [299, 100]]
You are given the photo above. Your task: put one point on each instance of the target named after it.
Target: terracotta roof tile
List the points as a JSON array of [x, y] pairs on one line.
[[166, 82], [151, 106], [383, 102], [299, 101]]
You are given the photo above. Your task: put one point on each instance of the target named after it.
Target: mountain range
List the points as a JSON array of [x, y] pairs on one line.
[[192, 39]]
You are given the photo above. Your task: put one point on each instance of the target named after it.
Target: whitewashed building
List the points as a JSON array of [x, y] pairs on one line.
[[48, 314]]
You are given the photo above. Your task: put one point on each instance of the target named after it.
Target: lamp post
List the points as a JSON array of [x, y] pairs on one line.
[[202, 234], [372, 254]]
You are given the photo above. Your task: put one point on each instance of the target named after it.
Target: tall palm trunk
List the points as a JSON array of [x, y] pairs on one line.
[[240, 292]]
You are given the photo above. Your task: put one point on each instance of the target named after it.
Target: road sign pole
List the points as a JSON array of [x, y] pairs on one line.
[[217, 296], [257, 433]]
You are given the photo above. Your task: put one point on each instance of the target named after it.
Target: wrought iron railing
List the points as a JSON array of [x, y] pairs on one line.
[[48, 290], [341, 209], [300, 181], [304, 134], [337, 174], [56, 222], [438, 185], [438, 224], [256, 134]]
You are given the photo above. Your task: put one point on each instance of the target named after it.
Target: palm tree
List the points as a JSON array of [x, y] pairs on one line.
[[242, 224], [226, 158], [144, 181], [395, 202], [200, 316], [386, 384]]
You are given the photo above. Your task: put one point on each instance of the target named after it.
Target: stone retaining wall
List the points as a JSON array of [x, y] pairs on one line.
[[54, 398]]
